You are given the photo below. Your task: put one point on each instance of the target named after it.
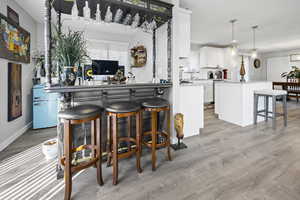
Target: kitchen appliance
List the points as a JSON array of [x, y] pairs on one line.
[[219, 74], [44, 108], [225, 74], [210, 75]]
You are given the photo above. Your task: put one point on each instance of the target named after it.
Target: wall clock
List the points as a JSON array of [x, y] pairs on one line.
[[257, 63]]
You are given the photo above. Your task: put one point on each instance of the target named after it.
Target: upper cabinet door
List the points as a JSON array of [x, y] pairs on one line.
[[184, 33], [211, 57]]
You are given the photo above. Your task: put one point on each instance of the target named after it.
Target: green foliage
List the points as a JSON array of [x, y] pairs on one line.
[[70, 48]]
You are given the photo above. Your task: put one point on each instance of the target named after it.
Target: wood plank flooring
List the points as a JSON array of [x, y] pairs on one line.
[[225, 162]]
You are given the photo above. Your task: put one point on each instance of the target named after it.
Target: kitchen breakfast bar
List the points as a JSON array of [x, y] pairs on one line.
[[102, 94]]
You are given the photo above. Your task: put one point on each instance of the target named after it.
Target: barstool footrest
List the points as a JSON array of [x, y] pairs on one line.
[[159, 145], [78, 149]]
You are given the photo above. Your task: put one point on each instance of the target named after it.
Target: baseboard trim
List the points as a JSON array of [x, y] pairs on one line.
[[12, 138]]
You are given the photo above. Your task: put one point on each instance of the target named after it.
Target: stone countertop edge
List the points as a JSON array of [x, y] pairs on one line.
[[192, 84], [238, 82], [85, 88]]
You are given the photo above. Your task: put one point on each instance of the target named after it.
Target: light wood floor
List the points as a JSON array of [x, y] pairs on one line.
[[225, 162]]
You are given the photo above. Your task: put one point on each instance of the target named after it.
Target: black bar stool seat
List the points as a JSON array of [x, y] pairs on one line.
[[115, 111], [155, 106], [123, 107], [80, 112], [154, 103], [73, 116]]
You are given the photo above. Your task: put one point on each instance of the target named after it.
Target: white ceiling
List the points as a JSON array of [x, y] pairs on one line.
[[278, 20]]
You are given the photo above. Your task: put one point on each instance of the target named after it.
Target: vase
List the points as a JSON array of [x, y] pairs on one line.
[[68, 76], [42, 71]]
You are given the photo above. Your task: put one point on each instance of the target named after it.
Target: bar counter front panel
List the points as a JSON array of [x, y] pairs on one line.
[[101, 95]]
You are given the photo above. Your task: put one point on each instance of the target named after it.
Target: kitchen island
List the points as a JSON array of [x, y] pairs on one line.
[[234, 101]]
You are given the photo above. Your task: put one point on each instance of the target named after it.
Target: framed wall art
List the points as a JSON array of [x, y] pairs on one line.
[[14, 41], [295, 57], [14, 91]]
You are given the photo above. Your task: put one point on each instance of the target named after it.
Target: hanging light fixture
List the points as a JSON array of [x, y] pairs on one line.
[[254, 50], [234, 45]]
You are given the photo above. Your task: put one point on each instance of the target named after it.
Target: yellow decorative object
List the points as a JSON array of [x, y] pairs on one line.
[[179, 125]]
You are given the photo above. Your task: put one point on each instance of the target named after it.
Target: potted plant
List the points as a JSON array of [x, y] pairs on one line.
[[39, 61], [70, 52], [294, 74]]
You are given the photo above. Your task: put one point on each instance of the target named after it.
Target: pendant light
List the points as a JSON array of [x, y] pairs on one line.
[[254, 50], [234, 45]]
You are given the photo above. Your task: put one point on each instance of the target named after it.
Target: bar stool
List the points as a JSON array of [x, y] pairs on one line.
[[155, 106], [114, 112], [270, 94], [78, 115]]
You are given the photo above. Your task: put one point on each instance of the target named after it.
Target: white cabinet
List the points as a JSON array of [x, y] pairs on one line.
[[183, 32], [209, 92], [191, 106], [211, 57]]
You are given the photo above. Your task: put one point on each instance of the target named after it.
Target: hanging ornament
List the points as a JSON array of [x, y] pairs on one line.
[[145, 26], [153, 25], [118, 16], [74, 11], [127, 19], [86, 11], [136, 21], [98, 14], [108, 15]]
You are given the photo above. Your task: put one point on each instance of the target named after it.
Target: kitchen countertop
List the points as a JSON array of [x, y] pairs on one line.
[[238, 82], [105, 86]]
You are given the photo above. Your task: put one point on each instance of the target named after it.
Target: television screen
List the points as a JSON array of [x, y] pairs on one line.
[[105, 67]]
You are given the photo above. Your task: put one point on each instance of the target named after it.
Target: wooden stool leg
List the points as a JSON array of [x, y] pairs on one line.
[[255, 108], [274, 112], [128, 132], [138, 142], [109, 141], [154, 133], [168, 115], [93, 139], [68, 160], [115, 149], [99, 152], [285, 110]]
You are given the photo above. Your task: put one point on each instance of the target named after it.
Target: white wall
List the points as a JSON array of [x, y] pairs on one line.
[[278, 62], [9, 131], [143, 74], [162, 52]]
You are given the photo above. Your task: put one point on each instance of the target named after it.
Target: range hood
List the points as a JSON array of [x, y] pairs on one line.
[[212, 67]]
